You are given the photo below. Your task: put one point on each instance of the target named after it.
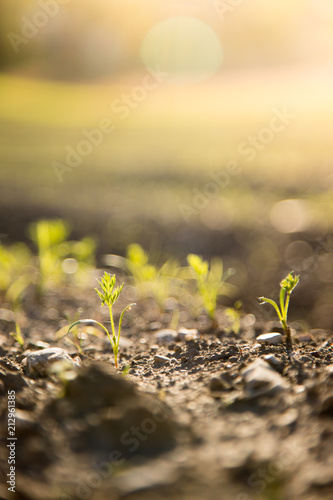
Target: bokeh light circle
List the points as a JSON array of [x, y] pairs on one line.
[[187, 49], [299, 256], [289, 216]]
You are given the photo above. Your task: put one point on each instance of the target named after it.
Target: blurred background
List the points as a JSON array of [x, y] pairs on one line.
[[187, 126]]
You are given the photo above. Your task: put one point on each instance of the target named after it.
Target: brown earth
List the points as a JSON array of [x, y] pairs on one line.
[[203, 423]]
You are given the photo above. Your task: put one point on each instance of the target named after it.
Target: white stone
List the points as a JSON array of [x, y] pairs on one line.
[[270, 338], [166, 336], [41, 361], [188, 334]]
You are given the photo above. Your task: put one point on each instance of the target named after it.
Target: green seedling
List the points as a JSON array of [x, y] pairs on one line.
[[287, 285], [210, 281], [125, 370], [16, 272], [151, 280], [108, 295], [17, 335], [58, 258], [234, 315]]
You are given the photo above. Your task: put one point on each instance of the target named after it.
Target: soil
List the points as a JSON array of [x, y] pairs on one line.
[[214, 416]]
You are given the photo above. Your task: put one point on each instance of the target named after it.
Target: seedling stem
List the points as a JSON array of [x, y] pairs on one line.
[[287, 286], [108, 295]]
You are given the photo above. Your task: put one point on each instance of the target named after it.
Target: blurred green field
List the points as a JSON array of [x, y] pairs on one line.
[[132, 186], [168, 144]]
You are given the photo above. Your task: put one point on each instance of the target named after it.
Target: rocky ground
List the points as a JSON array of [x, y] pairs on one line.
[[193, 413]]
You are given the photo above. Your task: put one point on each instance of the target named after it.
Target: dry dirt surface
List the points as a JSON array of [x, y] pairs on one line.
[[189, 415]]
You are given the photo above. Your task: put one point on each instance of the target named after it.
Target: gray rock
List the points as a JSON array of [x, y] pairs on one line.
[[271, 360], [223, 382], [112, 412], [260, 379], [161, 360], [41, 361], [166, 336], [188, 334], [270, 338]]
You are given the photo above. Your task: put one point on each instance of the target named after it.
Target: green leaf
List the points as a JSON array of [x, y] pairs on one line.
[[289, 282], [106, 294], [136, 255], [85, 322], [198, 265], [264, 300]]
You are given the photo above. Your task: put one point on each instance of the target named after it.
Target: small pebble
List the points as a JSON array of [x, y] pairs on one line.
[[188, 334], [272, 360], [260, 379], [161, 360], [270, 338], [329, 369], [216, 384], [41, 361], [166, 336]]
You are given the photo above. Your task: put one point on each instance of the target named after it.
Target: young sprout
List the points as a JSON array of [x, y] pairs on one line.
[[210, 281], [108, 295], [150, 280], [17, 335], [234, 315], [287, 286], [58, 258]]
